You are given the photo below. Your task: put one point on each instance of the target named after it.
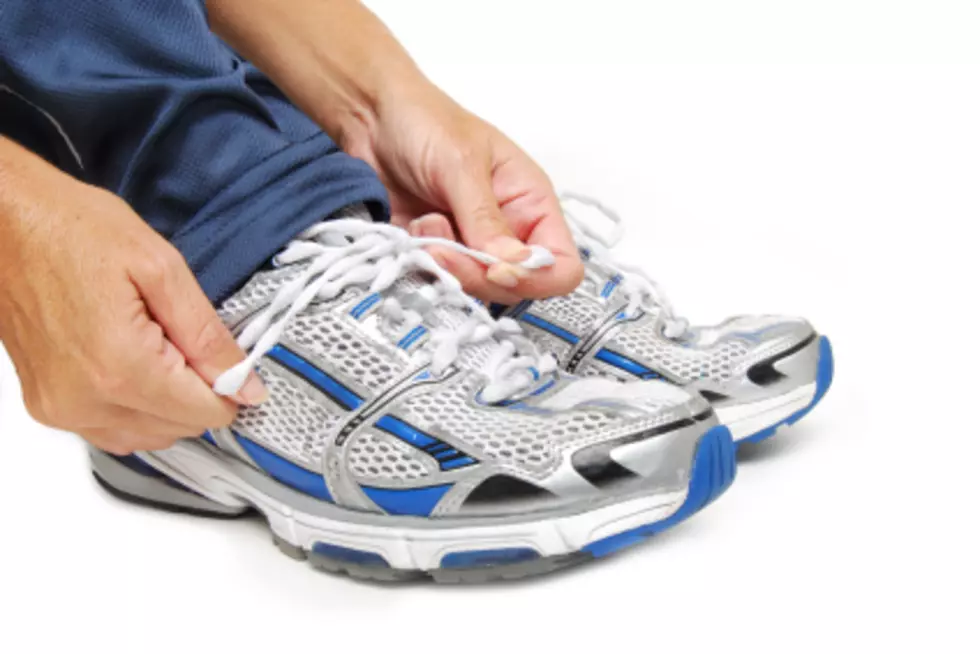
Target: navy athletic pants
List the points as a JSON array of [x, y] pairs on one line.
[[140, 98]]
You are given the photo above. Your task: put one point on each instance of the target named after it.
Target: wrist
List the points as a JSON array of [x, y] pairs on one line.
[[381, 104], [25, 181], [11, 172], [334, 58]]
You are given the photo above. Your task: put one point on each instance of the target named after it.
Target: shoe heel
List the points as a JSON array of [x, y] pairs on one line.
[[129, 478]]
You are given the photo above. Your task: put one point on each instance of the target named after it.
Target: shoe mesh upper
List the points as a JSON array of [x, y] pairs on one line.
[[530, 441], [377, 457], [644, 341], [254, 294], [326, 334], [291, 421], [572, 312]]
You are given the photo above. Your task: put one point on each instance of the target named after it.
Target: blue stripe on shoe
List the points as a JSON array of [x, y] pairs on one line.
[[362, 307], [412, 336], [339, 393], [407, 501], [435, 448], [551, 328], [519, 309], [452, 464], [627, 364], [404, 431], [285, 471], [611, 285]]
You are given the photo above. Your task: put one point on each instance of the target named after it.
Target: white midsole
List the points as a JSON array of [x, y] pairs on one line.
[[744, 420], [414, 548]]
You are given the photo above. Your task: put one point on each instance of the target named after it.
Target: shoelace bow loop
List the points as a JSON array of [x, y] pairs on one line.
[[346, 252], [638, 287]]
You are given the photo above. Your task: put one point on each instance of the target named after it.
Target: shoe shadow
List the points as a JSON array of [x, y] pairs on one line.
[[786, 442]]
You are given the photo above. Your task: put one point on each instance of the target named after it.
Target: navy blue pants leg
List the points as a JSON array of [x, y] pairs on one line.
[[140, 98]]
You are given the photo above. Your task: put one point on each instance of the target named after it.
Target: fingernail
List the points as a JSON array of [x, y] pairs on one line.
[[253, 392], [503, 274], [508, 249], [417, 227]]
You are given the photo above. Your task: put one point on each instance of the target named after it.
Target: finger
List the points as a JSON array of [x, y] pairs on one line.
[[432, 225], [177, 303], [164, 385], [120, 418], [568, 270], [470, 273], [481, 225]]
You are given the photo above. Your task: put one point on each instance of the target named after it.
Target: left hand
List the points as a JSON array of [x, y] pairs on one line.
[[468, 182], [340, 64]]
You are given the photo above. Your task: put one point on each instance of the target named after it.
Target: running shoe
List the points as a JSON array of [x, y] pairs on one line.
[[758, 372], [410, 434]]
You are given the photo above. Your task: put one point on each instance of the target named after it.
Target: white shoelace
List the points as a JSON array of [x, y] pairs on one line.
[[347, 252], [638, 287]]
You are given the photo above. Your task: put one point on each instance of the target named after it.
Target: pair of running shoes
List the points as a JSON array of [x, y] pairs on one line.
[[412, 432]]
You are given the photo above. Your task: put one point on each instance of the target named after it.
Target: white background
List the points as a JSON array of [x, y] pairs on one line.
[[814, 158]]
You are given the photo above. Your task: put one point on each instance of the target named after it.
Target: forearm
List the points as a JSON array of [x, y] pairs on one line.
[[20, 171], [334, 58]]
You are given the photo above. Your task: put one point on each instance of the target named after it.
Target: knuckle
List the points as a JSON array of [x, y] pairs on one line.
[[464, 160], [159, 264], [110, 382], [474, 163], [486, 216], [212, 338]]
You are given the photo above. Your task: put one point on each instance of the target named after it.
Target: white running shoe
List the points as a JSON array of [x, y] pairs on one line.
[[410, 434], [758, 372]]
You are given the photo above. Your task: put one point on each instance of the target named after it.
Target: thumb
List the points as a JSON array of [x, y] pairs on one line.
[[477, 212], [179, 306]]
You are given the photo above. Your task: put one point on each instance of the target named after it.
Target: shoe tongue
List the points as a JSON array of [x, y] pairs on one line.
[[440, 316], [602, 272], [357, 211]]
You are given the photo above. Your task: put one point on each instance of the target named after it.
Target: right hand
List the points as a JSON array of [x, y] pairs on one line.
[[111, 336]]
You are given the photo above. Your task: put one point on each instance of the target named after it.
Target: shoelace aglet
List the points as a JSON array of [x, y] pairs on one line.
[[541, 257], [231, 381]]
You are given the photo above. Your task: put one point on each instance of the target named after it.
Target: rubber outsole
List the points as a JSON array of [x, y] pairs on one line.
[[712, 472], [163, 506], [825, 376]]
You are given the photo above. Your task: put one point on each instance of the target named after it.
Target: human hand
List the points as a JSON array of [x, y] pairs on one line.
[[342, 66], [110, 334], [470, 183]]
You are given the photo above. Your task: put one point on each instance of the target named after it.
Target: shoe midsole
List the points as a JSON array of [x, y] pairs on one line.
[[404, 542], [749, 418]]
